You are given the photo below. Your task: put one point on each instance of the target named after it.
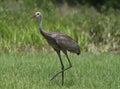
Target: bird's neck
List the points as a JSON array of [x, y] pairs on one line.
[[40, 26]]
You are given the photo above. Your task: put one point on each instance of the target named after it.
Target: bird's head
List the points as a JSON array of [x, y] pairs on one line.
[[37, 15]]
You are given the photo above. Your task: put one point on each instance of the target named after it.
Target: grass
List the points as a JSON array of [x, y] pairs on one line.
[[33, 71]]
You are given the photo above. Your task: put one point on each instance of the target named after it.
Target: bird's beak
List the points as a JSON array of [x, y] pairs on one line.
[[33, 16]]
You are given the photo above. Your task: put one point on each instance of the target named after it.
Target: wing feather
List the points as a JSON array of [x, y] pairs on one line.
[[64, 42]]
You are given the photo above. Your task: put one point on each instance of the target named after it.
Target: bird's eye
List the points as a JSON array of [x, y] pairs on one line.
[[37, 13]]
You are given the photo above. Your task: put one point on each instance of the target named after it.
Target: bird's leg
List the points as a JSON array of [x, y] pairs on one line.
[[62, 67], [70, 65], [58, 52]]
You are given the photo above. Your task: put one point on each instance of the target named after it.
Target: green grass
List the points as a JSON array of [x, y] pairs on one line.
[[33, 71]]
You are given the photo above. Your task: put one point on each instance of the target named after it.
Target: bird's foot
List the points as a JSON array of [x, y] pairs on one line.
[[53, 77]]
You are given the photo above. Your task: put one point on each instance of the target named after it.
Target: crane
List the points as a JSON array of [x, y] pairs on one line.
[[59, 42]]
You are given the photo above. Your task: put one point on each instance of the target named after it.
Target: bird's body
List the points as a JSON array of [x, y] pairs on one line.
[[59, 42]]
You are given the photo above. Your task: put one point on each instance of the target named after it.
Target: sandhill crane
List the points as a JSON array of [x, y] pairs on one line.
[[59, 42]]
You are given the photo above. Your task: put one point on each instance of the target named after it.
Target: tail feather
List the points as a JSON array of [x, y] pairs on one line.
[[79, 52]]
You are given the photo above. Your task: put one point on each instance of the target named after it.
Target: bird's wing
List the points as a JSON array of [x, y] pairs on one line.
[[66, 42]]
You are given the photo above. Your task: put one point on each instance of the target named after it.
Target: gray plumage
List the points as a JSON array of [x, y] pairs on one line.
[[59, 42]]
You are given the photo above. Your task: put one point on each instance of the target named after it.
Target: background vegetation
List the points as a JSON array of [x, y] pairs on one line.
[[94, 24]]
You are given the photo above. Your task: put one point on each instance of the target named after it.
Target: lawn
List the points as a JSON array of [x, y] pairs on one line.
[[33, 71]]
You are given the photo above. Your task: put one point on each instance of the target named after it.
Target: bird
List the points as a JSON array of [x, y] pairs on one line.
[[60, 43]]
